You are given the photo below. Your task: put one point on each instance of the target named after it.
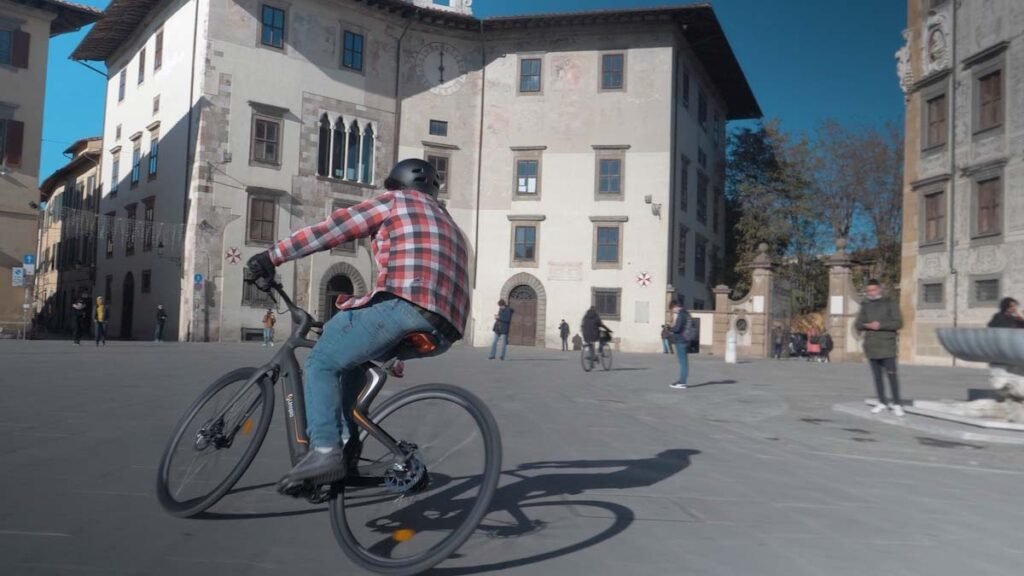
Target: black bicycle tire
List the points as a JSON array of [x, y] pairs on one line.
[[606, 354], [488, 486], [587, 363], [191, 507]]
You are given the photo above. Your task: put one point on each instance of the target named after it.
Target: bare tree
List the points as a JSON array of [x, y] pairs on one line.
[[881, 194], [837, 176]]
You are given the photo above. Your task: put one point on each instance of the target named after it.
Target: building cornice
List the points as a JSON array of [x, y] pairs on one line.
[[981, 167], [526, 217], [985, 54], [930, 180]]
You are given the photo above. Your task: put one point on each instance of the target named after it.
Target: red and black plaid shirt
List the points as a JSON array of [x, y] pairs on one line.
[[420, 252]]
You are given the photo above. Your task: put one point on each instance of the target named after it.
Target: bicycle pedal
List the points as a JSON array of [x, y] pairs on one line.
[[291, 488]]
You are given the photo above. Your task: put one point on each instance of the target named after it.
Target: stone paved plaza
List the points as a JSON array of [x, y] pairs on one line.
[[750, 473]]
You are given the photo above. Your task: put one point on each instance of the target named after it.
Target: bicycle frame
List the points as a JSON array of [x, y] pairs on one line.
[[284, 367]]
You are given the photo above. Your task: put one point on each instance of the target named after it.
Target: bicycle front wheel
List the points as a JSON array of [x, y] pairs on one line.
[[587, 359], [400, 518], [214, 443], [606, 358]]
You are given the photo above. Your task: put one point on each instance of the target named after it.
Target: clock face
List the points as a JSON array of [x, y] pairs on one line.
[[441, 68]]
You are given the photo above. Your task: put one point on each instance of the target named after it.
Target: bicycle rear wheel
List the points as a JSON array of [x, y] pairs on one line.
[[214, 443], [400, 523], [606, 358], [587, 359]]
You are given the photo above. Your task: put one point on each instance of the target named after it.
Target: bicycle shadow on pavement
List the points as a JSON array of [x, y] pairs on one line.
[[531, 491]]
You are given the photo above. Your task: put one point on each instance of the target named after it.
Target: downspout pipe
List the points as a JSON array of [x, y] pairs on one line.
[[398, 87], [952, 175], [479, 153], [189, 152]]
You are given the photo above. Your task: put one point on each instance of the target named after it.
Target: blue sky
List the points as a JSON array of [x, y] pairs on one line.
[[806, 60]]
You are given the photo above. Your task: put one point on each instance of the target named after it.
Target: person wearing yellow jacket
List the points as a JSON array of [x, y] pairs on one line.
[[100, 316]]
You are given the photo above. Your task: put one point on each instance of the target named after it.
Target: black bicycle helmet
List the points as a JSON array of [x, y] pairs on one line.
[[414, 174]]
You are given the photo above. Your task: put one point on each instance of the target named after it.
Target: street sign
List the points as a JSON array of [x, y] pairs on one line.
[[29, 262], [17, 277], [198, 279]]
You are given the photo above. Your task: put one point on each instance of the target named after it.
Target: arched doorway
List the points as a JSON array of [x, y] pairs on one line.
[[523, 301], [127, 306], [336, 285]]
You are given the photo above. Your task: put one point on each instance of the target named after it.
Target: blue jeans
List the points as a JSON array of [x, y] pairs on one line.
[[268, 335], [684, 361], [494, 345], [333, 377]]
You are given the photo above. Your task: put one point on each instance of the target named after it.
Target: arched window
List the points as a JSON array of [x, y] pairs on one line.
[[324, 147], [338, 150], [366, 164], [351, 172]]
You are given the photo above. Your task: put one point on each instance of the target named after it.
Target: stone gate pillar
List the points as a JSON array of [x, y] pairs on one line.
[[762, 296], [843, 306], [723, 308]]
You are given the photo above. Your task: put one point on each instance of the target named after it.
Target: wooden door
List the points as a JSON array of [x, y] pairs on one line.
[[523, 331]]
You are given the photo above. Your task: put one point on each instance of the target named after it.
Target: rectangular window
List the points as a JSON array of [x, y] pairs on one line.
[[147, 281], [609, 176], [935, 217], [608, 245], [986, 291], [529, 75], [935, 114], [686, 87], [266, 136], [147, 225], [156, 105], [115, 173], [142, 65], [613, 71], [714, 209], [158, 51], [989, 210], [154, 153], [352, 58], [684, 185], [90, 191], [6, 45], [526, 176], [932, 293], [702, 158], [254, 297], [438, 128], [129, 235], [117, 133], [714, 129], [702, 198], [990, 100], [524, 247], [700, 259], [272, 27], [107, 285], [136, 163], [702, 109], [110, 233], [607, 302], [122, 80], [698, 304], [440, 164], [12, 139], [681, 249], [262, 213]]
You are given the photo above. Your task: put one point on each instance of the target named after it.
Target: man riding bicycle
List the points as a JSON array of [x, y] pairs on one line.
[[594, 330], [421, 286]]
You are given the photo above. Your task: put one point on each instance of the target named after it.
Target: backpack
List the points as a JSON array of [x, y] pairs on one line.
[[689, 333]]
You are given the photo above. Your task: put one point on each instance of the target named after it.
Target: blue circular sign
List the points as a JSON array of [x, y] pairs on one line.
[[198, 278]]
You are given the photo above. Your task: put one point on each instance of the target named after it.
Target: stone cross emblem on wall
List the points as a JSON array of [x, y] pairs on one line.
[[233, 256]]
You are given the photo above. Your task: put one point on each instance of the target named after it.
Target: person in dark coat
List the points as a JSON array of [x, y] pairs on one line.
[[778, 339], [666, 339], [502, 322], [879, 321], [592, 329], [563, 332], [161, 320], [1008, 315], [683, 321], [80, 318]]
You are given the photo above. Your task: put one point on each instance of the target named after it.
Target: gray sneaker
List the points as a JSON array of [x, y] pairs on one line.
[[318, 467], [677, 386]]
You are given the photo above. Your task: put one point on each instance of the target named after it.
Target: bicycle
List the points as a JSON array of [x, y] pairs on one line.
[[377, 512], [589, 358]]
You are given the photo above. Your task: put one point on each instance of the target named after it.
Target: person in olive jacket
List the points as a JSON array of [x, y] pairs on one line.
[[880, 322]]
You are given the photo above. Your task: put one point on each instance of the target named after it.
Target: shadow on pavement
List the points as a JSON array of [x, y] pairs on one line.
[[711, 383], [626, 369]]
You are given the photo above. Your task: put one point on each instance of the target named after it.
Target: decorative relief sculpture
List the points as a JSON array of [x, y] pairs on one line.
[[936, 44], [903, 68]]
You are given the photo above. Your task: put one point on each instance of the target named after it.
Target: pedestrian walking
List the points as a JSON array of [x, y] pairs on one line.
[[563, 331], [502, 322], [826, 347], [813, 345], [666, 339], [684, 333], [880, 322], [161, 319], [79, 318], [1008, 316], [100, 317], [268, 327], [778, 339]]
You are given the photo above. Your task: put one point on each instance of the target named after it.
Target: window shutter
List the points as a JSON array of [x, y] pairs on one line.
[[19, 49], [13, 145]]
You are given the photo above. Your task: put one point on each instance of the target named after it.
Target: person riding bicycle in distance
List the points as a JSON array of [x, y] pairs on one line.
[[594, 330], [421, 286]]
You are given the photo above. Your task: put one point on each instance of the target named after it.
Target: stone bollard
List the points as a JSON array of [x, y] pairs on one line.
[[730, 346]]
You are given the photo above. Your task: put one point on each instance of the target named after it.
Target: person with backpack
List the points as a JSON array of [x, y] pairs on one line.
[[80, 318], [684, 332], [826, 347], [502, 322]]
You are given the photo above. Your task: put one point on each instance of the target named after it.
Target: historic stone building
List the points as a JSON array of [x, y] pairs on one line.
[[582, 154], [66, 265], [25, 31], [963, 234]]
